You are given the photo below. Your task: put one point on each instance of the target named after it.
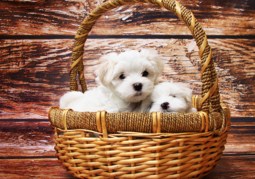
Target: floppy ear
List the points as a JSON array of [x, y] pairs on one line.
[[185, 92], [188, 94], [105, 69], [188, 98], [157, 62]]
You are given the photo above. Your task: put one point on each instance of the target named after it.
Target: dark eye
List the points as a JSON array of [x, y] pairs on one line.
[[145, 73], [172, 95], [122, 76]]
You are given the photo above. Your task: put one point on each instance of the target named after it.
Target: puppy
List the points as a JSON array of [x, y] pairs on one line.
[[124, 79], [171, 97]]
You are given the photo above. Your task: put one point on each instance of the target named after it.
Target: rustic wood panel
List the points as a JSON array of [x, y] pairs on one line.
[[26, 17], [29, 139], [62, 17], [32, 168], [35, 139], [34, 73], [227, 167], [240, 166], [241, 140]]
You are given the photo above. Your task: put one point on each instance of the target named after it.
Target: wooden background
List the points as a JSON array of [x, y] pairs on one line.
[[36, 37]]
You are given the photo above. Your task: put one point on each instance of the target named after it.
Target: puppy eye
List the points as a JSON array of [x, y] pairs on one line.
[[174, 96], [145, 73], [122, 76]]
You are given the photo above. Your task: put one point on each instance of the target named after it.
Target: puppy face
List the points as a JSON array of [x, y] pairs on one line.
[[171, 97], [131, 75]]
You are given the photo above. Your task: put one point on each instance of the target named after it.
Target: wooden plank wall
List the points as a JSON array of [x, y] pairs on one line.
[[36, 40], [36, 37]]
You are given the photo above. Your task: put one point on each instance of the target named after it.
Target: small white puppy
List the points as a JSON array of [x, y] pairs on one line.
[[124, 79], [171, 97]]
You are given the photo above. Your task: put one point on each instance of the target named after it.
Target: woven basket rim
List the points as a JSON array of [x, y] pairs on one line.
[[148, 122]]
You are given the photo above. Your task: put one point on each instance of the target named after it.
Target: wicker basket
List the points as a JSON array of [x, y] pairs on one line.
[[143, 145]]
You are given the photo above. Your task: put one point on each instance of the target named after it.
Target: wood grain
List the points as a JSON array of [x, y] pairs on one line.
[[240, 166], [34, 73], [241, 140], [35, 139], [227, 167], [62, 17], [26, 139], [32, 168], [26, 17], [35, 41]]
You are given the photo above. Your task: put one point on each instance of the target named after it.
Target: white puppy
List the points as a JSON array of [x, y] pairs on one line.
[[171, 97], [125, 80]]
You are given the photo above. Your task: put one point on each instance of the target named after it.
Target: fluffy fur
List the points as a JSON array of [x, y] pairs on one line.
[[124, 79], [171, 97]]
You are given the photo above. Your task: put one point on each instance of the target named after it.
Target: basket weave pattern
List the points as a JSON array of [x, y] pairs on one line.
[[143, 145]]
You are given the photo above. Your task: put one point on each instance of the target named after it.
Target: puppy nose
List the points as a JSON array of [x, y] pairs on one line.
[[165, 105], [138, 86]]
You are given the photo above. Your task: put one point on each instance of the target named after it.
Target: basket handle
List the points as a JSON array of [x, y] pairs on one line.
[[210, 92]]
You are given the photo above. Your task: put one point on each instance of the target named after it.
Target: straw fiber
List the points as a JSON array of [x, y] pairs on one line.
[[143, 145]]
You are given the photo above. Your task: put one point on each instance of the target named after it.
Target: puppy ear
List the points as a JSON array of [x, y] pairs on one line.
[[187, 92], [157, 62], [105, 69], [184, 90]]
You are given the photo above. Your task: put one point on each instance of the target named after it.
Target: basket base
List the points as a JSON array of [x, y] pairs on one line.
[[181, 155]]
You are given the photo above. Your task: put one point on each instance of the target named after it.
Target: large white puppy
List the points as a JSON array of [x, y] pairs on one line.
[[171, 97], [124, 79]]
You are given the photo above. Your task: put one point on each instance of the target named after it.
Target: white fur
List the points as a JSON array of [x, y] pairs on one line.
[[177, 95], [113, 93]]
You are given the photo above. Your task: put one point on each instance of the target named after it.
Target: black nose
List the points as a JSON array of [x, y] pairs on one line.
[[165, 105], [138, 86]]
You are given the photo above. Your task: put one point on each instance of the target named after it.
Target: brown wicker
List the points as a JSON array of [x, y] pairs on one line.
[[143, 145]]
